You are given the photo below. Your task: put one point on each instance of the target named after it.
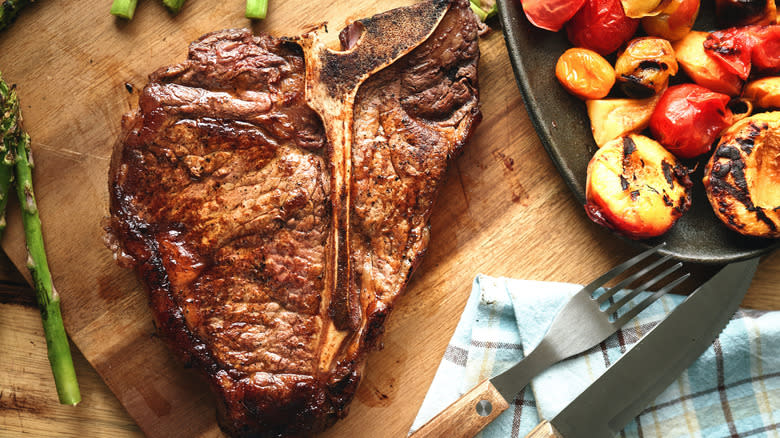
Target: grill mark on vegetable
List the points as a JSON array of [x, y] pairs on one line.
[[760, 215], [652, 65], [623, 183], [635, 86], [680, 203], [668, 174], [720, 170], [736, 166], [748, 142], [723, 47], [730, 152], [628, 146]]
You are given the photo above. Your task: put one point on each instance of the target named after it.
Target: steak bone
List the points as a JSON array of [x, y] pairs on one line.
[[332, 81]]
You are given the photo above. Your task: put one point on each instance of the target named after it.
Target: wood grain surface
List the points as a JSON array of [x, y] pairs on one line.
[[503, 211]]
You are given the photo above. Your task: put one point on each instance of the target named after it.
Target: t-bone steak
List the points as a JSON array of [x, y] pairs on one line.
[[222, 199]]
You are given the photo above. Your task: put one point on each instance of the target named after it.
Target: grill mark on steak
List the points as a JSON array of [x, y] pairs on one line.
[[222, 198]]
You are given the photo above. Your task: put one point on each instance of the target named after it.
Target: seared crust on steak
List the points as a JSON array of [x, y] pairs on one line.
[[221, 201]]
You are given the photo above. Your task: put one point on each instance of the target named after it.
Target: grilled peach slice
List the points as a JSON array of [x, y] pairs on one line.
[[613, 118], [636, 187], [764, 93], [674, 21], [742, 178]]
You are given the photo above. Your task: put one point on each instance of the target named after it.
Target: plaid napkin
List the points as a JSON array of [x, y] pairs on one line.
[[733, 390]]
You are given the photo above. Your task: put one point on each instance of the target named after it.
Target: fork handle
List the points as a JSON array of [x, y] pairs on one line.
[[462, 419], [544, 430]]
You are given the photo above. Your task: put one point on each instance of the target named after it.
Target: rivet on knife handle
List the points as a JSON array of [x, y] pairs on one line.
[[544, 430], [467, 415]]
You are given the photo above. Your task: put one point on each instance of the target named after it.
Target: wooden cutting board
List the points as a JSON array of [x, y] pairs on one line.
[[503, 210]]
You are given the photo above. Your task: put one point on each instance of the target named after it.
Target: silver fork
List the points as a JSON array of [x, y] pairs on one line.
[[580, 325]]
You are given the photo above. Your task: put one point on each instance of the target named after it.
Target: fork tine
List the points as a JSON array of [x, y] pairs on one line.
[[649, 300], [622, 285], [649, 283], [619, 269]]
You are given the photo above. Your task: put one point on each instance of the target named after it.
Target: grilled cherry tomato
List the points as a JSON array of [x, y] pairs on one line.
[[601, 25], [702, 68], [642, 8], [674, 21], [644, 67], [689, 118], [739, 48], [550, 14], [585, 73], [765, 55], [731, 48]]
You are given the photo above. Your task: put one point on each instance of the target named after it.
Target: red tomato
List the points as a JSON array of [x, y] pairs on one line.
[[739, 48], [601, 26], [550, 14], [731, 48], [766, 51], [689, 118]]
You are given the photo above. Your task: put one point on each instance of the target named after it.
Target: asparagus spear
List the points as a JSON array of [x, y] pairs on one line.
[[173, 5], [256, 9], [9, 9], [9, 108], [124, 8], [46, 295]]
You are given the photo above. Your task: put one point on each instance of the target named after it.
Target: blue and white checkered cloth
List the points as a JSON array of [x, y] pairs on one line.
[[733, 390]]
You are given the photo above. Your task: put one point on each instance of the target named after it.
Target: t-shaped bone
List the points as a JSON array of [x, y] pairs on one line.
[[332, 81]]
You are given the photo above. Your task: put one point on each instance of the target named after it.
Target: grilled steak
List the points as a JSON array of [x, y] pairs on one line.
[[221, 198]]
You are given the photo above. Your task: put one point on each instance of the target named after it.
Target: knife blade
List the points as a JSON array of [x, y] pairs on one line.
[[635, 379]]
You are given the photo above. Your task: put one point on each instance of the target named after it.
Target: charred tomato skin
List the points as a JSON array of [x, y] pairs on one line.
[[702, 68], [601, 25], [742, 178], [731, 48], [689, 118], [636, 188], [743, 49]]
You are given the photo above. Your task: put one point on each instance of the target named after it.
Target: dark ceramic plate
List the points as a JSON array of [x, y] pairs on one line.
[[562, 124]]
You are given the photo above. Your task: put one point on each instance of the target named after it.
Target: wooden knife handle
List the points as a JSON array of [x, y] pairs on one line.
[[544, 430], [463, 418]]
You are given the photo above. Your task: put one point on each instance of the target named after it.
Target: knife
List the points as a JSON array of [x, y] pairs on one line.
[[648, 368]]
